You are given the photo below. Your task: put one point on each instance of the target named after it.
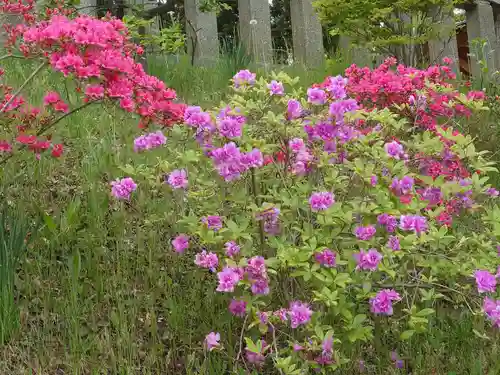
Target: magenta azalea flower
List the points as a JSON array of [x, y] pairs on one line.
[[195, 117], [388, 221], [393, 243], [213, 222], [232, 249], [260, 287], [394, 150], [321, 201], [294, 110], [212, 341], [122, 189], [382, 302], [492, 192], [228, 279], [244, 77], [341, 107], [316, 96], [491, 308], [178, 179], [230, 127], [297, 145], [149, 141], [416, 223], [326, 258], [300, 314], [238, 307], [365, 233], [403, 186], [368, 260], [485, 281], [206, 260], [276, 88], [180, 243]]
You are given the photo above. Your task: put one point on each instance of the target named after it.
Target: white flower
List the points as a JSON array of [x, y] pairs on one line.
[[253, 22]]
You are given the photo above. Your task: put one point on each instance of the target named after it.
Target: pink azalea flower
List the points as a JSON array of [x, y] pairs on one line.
[[486, 282], [321, 201], [238, 307], [382, 302], [300, 314], [368, 260], [122, 189], [178, 179], [180, 243], [212, 341]]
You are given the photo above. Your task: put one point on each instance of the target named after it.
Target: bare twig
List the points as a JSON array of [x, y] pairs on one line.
[[12, 56], [241, 338], [275, 345]]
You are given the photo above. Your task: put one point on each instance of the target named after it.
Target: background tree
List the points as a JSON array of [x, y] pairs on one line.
[[399, 28]]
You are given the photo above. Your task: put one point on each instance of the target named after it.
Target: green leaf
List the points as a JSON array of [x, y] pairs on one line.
[[407, 334], [75, 265], [49, 222], [481, 335], [358, 320], [425, 312], [251, 346]]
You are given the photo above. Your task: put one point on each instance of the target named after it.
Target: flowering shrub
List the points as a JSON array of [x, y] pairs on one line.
[[332, 218], [98, 55]]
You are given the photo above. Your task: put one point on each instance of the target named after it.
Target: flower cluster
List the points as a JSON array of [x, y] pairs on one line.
[[149, 141], [230, 162], [206, 260], [123, 188], [326, 258], [256, 272], [492, 311], [177, 179], [382, 302], [368, 260], [321, 201], [99, 55]]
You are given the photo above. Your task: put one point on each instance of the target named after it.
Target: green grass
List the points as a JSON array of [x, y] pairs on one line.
[[99, 294]]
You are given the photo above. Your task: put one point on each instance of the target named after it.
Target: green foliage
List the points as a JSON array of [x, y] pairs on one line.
[[386, 25], [14, 238], [170, 39]]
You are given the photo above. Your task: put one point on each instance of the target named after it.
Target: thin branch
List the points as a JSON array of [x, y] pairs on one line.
[[13, 56], [43, 130], [241, 338], [275, 345], [37, 70]]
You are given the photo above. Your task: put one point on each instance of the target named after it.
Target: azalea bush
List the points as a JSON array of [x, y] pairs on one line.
[[97, 59], [333, 221]]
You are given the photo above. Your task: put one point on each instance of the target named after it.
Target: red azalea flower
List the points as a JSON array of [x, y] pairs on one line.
[[26, 139], [57, 150], [406, 199], [281, 156], [268, 159]]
